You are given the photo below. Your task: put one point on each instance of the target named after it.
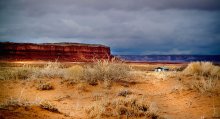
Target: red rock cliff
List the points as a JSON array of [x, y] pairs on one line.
[[53, 51]]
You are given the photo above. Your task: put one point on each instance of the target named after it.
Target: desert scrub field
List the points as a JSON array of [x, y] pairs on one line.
[[109, 89], [101, 71]]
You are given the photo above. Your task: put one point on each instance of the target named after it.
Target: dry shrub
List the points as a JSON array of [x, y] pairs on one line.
[[124, 92], [48, 106], [104, 70], [44, 86], [57, 70], [99, 71], [73, 74], [14, 103], [204, 75], [120, 107], [23, 72], [203, 85], [6, 74], [50, 70], [202, 69]]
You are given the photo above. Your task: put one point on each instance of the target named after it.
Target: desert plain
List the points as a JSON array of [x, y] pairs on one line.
[[109, 89]]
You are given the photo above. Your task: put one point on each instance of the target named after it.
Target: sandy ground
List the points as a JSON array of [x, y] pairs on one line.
[[165, 92]]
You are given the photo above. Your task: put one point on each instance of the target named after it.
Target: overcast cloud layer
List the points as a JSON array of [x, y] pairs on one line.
[[127, 26]]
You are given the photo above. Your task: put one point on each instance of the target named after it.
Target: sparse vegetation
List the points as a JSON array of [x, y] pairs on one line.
[[49, 70], [48, 106], [124, 93], [204, 76], [73, 74], [107, 71], [121, 107], [100, 71], [206, 69], [42, 85], [115, 95], [203, 85], [23, 72], [14, 103]]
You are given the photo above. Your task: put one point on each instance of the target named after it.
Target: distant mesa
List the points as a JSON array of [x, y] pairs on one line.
[[73, 52]]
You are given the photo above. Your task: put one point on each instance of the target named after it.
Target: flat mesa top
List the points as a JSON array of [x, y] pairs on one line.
[[57, 44]]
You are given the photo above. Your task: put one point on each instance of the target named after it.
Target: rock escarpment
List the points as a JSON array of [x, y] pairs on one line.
[[53, 51]]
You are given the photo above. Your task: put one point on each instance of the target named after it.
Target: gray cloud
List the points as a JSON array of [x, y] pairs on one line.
[[129, 27], [110, 4]]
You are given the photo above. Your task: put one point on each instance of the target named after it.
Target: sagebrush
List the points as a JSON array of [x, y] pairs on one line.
[[121, 107], [204, 76], [99, 71], [108, 71]]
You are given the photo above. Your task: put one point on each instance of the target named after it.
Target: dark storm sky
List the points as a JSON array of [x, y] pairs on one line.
[[127, 26]]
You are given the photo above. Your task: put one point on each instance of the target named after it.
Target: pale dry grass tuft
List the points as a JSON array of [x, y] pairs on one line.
[[124, 92], [121, 107], [49, 106], [23, 72], [74, 74], [42, 85], [203, 85], [50, 70], [204, 74], [14, 103], [107, 71], [206, 69]]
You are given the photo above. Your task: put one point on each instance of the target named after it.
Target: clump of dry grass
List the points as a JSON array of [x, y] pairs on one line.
[[206, 69], [5, 74], [121, 107], [204, 75], [23, 72], [42, 85], [73, 74], [48, 106], [203, 85], [14, 103], [104, 70], [124, 92], [49, 70]]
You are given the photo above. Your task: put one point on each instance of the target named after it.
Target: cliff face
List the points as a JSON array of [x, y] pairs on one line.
[[53, 51]]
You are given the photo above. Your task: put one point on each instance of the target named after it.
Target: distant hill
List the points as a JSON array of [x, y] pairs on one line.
[[170, 58]]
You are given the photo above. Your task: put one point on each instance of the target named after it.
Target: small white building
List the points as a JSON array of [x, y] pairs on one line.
[[159, 69]]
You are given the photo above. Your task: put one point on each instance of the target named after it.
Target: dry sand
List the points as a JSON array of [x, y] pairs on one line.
[[163, 91]]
